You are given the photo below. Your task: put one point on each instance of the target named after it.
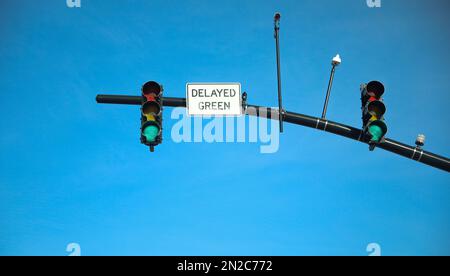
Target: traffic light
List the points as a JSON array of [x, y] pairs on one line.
[[373, 109], [151, 114]]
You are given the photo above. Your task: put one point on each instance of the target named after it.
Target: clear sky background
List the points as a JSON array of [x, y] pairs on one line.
[[72, 170]]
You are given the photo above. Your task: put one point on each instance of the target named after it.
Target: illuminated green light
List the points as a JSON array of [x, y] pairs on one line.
[[150, 133], [377, 129], [377, 133]]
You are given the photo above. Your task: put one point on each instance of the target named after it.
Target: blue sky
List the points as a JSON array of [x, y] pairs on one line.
[[74, 171]]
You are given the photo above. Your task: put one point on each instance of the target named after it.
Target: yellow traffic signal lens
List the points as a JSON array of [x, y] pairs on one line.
[[150, 110], [377, 109]]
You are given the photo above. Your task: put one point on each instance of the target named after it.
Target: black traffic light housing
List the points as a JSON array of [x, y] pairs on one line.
[[373, 110], [151, 114]]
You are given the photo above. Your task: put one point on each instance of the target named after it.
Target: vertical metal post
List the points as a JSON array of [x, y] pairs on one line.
[[277, 41], [330, 84]]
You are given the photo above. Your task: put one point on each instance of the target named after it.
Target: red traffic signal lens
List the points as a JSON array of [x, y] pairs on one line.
[[375, 88], [150, 88]]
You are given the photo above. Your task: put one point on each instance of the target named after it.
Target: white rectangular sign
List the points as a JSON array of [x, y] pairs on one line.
[[214, 99]]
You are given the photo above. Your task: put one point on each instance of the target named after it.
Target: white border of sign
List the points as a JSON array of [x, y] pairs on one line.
[[215, 83]]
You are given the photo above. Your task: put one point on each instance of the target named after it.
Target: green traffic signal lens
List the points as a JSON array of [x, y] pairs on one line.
[[377, 129], [150, 133], [376, 132]]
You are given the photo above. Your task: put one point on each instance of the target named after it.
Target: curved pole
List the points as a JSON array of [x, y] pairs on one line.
[[393, 146]]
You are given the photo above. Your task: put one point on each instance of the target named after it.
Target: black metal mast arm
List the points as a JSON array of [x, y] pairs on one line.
[[407, 151], [137, 100]]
